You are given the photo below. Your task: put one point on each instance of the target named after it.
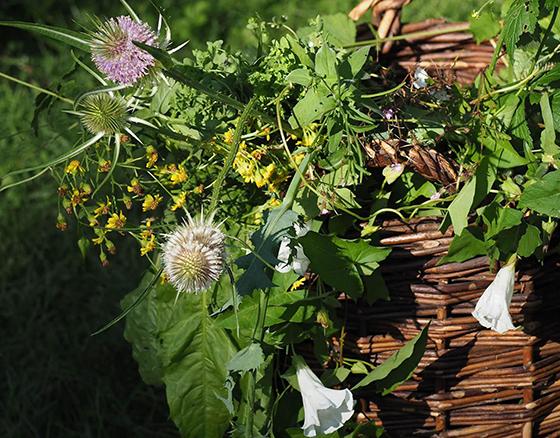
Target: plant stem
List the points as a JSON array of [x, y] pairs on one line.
[[231, 156], [412, 35], [35, 87]]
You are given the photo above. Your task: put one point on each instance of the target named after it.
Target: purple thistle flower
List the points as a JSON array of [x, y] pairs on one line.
[[115, 54]]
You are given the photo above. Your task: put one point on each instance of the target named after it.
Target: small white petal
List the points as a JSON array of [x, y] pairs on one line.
[[296, 259], [420, 78], [492, 309]]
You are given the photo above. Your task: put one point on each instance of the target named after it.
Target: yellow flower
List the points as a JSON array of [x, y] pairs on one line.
[[228, 136], [273, 202], [266, 133], [116, 221], [100, 237], [179, 175], [73, 167], [135, 187], [148, 246], [151, 202], [151, 156], [298, 157], [180, 201], [268, 171], [103, 208], [199, 189], [297, 284]]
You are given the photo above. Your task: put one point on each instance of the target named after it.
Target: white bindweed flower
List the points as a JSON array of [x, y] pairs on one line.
[[421, 78], [194, 254], [326, 410], [293, 259], [492, 309]]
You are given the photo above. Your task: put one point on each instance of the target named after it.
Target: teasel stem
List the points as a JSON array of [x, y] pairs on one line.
[[231, 155]]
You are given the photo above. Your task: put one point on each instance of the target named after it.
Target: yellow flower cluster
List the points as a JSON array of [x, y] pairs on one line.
[[147, 239], [248, 165]]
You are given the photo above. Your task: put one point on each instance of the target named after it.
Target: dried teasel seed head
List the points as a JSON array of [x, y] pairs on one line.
[[194, 255]]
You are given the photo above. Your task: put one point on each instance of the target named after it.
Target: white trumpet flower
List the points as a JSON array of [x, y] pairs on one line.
[[326, 410], [295, 259], [492, 309]]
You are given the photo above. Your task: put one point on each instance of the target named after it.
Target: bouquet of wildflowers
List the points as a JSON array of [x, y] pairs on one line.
[[244, 177]]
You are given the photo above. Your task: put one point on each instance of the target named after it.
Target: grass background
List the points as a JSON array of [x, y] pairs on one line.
[[56, 380]]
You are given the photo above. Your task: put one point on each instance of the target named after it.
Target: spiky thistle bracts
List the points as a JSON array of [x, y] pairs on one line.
[[103, 113], [194, 255], [115, 54]]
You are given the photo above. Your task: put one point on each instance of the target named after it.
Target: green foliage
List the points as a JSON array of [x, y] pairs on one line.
[[543, 196], [399, 367]]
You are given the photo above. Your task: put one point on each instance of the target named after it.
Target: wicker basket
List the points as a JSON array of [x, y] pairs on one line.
[[470, 382], [450, 52]]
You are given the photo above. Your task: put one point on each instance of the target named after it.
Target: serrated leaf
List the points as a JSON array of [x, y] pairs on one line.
[[544, 195], [74, 39], [195, 352], [399, 367], [521, 18]]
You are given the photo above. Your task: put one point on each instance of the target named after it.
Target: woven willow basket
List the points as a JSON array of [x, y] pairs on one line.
[[471, 382]]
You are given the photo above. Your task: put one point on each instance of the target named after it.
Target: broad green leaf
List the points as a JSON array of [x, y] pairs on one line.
[[339, 30], [375, 288], [247, 359], [356, 60], [470, 243], [266, 241], [195, 353], [521, 18], [283, 306], [312, 107], [399, 367], [471, 195], [498, 218], [335, 376], [529, 241], [484, 26], [341, 263], [144, 324], [503, 154], [74, 39], [544, 195], [299, 76]]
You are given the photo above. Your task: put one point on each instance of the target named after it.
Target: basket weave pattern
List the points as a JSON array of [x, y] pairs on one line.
[[470, 382]]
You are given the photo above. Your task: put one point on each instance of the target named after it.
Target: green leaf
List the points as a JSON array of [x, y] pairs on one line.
[[484, 26], [247, 359], [530, 240], [283, 306], [299, 76], [498, 218], [503, 154], [544, 195], [548, 135], [357, 60], [312, 107], [339, 30], [376, 288], [469, 244], [521, 18], [399, 367], [336, 376], [341, 263], [266, 241], [325, 64], [471, 195], [74, 39], [195, 351]]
